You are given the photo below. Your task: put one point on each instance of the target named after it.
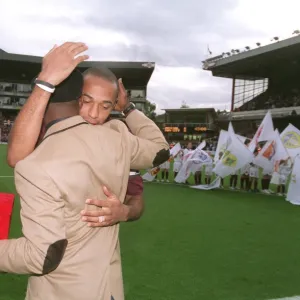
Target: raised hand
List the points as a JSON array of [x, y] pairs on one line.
[[122, 98], [61, 61]]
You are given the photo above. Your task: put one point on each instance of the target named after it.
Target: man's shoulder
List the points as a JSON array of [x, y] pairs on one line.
[[116, 125], [27, 166]]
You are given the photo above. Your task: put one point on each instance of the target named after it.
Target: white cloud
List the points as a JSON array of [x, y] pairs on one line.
[[188, 77], [176, 37], [267, 17]]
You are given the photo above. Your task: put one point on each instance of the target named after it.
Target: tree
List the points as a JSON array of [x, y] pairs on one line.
[[184, 104], [149, 110]]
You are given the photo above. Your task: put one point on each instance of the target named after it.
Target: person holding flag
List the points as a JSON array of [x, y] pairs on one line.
[[177, 162], [284, 171], [253, 175], [165, 167], [209, 172]]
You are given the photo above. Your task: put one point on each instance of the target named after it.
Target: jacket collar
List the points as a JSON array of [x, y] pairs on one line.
[[63, 125]]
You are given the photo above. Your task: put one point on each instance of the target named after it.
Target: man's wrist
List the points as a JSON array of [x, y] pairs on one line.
[[129, 108], [126, 211], [46, 77]]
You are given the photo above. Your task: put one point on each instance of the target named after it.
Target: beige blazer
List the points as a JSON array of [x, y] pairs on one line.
[[68, 259]]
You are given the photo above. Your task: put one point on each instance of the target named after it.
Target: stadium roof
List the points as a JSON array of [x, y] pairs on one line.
[[24, 67], [188, 109], [262, 62]]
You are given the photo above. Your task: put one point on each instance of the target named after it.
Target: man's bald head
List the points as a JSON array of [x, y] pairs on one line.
[[99, 95], [104, 74]]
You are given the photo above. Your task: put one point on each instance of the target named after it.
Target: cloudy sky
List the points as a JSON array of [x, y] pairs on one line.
[[174, 34]]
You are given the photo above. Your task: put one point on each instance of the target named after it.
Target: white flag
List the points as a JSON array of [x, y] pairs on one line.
[[201, 146], [241, 138], [280, 151], [151, 174], [236, 156], [265, 132], [194, 162], [290, 138], [199, 159], [222, 144], [293, 194], [214, 185], [224, 141], [272, 152], [174, 151], [265, 157]]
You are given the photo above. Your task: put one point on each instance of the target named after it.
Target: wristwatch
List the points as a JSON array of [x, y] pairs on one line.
[[129, 109]]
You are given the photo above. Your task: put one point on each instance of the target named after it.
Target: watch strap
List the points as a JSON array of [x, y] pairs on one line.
[[129, 109], [46, 86], [45, 83]]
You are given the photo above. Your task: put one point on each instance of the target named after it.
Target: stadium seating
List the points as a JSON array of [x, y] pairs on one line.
[[272, 100]]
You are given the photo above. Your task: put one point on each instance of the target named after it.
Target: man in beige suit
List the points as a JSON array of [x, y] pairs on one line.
[[76, 261]]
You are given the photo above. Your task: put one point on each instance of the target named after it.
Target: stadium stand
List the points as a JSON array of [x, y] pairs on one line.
[[265, 78], [17, 72]]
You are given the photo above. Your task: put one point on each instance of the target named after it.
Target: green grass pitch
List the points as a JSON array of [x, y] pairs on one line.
[[191, 244]]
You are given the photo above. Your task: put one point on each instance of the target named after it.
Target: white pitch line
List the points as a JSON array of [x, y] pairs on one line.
[[6, 176], [289, 298]]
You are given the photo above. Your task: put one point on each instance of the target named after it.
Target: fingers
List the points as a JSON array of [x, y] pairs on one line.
[[99, 222], [94, 219], [67, 45], [107, 192], [80, 59], [99, 203], [51, 50], [76, 48], [102, 224], [71, 47], [95, 213], [122, 89]]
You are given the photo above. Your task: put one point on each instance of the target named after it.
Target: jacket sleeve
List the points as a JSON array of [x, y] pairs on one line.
[[149, 147], [41, 249]]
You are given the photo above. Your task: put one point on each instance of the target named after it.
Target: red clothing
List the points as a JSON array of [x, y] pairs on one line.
[[135, 185]]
